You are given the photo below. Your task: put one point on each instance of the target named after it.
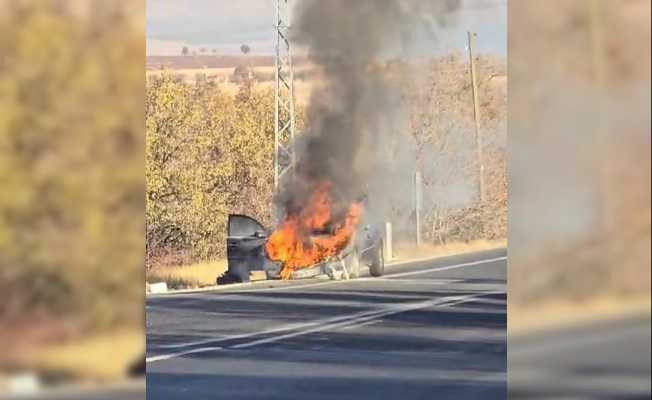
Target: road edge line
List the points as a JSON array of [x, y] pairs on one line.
[[219, 288]]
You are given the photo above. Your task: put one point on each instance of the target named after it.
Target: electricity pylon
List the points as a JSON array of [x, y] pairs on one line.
[[284, 97]]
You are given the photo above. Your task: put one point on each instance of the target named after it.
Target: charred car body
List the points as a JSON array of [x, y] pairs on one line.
[[246, 252]]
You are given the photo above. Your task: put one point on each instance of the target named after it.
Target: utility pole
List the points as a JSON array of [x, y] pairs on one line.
[[476, 115], [284, 96]]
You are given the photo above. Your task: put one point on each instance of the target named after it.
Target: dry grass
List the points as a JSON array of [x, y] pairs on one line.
[[100, 358], [192, 72], [190, 276], [302, 87], [407, 251], [224, 72]]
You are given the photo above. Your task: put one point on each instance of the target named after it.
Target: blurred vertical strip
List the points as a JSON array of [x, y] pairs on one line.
[[579, 149], [71, 184], [579, 199]]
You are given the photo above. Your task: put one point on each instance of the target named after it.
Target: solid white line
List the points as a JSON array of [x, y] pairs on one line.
[[345, 321], [430, 258], [425, 282], [308, 324], [391, 310], [322, 321], [370, 279], [375, 321], [253, 285], [436, 269], [377, 294], [180, 354], [288, 287], [281, 328]]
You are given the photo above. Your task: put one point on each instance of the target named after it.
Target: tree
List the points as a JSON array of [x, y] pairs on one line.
[[208, 154], [185, 51], [245, 49], [70, 216]]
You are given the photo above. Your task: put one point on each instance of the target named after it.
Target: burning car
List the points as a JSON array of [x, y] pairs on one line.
[[304, 247]]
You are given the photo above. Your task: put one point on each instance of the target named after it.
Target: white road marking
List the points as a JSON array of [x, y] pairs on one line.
[[281, 328], [375, 321], [366, 279], [428, 282], [290, 287], [329, 323], [179, 354], [393, 309], [449, 267], [320, 321], [251, 287], [320, 301], [377, 294]]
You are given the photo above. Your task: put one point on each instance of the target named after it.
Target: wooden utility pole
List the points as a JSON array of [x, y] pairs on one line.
[[476, 115]]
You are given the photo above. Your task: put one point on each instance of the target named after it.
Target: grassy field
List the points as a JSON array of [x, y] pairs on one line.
[[302, 87]]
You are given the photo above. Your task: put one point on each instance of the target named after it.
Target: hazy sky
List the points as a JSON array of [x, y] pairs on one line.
[[225, 25]]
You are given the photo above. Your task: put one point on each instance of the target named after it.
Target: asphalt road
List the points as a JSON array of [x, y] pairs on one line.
[[426, 330], [600, 360]]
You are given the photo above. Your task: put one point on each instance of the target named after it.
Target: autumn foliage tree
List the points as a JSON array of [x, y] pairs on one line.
[[71, 164], [209, 153]]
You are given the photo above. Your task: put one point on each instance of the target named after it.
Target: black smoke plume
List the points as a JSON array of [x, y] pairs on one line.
[[356, 105]]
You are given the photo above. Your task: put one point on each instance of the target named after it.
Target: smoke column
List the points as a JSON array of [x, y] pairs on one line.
[[356, 105]]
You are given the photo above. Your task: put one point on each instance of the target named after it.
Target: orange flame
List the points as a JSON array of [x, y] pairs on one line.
[[295, 245]]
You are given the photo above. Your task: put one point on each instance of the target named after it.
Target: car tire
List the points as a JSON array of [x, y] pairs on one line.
[[377, 266], [272, 270], [352, 262]]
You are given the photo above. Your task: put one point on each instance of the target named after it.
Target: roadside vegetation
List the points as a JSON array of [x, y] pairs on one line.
[[210, 153], [191, 276], [579, 161], [71, 201]]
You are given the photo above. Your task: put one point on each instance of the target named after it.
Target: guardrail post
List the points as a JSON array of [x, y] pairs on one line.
[[388, 241]]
